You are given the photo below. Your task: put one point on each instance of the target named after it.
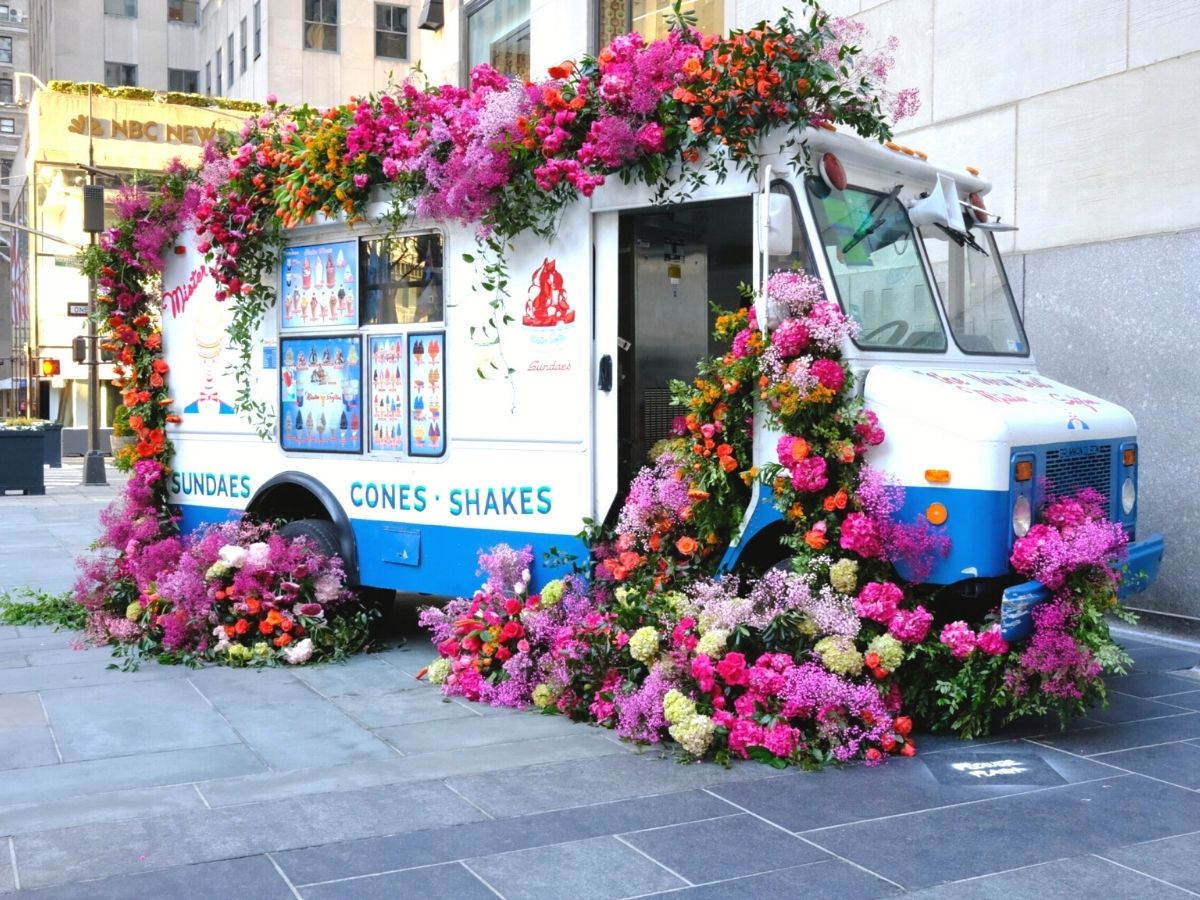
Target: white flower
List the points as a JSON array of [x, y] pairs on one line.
[[258, 554], [233, 555], [326, 588], [525, 576], [300, 652], [519, 588], [216, 570]]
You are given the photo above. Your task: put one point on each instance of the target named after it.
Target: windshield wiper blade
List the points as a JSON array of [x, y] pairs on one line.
[[872, 222], [962, 238]]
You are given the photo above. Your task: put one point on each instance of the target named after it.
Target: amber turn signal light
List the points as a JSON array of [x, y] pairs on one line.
[[1129, 456], [1024, 471], [937, 476], [935, 513]]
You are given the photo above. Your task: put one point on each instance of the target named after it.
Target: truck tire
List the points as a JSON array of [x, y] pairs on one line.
[[321, 533]]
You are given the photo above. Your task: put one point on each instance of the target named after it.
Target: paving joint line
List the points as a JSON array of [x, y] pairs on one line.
[[481, 879], [12, 856], [805, 840], [1146, 874], [283, 875], [662, 865], [200, 793], [49, 727], [452, 789], [245, 743]]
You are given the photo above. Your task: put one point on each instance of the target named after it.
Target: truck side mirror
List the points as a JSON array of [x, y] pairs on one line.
[[779, 225]]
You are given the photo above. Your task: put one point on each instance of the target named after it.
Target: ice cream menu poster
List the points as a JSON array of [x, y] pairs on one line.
[[321, 394], [426, 393], [320, 285], [389, 390]]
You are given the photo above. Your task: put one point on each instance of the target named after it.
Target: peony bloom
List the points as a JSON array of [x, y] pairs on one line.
[[959, 637], [233, 555], [911, 625], [991, 642]]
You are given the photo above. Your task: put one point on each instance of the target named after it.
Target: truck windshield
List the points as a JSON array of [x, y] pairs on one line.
[[979, 303], [875, 262]]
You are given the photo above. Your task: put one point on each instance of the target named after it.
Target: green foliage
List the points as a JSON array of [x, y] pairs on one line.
[[41, 608]]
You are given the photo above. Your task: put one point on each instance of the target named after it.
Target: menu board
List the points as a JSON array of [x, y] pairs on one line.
[[320, 285], [426, 393], [389, 393], [320, 381]]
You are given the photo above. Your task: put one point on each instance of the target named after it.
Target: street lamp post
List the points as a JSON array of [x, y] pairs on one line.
[[93, 223]]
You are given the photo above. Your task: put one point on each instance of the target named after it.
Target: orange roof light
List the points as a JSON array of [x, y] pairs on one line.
[[937, 476], [1024, 470], [936, 513], [1129, 456]]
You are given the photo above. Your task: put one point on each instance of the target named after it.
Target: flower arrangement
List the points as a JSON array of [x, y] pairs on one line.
[[801, 667], [238, 594], [972, 679]]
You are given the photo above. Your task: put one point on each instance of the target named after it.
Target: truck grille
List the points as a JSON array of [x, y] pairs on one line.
[[1070, 469]]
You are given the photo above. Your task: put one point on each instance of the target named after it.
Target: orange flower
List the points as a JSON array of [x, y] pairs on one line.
[[799, 449], [687, 545], [815, 539], [562, 70]]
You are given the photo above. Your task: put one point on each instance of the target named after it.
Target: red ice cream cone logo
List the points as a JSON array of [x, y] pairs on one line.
[[547, 305]]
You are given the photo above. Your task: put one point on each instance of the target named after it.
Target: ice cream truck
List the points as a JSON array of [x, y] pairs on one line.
[[407, 437]]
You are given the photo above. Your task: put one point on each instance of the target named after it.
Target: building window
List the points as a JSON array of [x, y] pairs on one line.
[[6, 49], [229, 57], [6, 90], [391, 31], [120, 8], [498, 34], [649, 17], [186, 81], [257, 29], [208, 78], [242, 41], [6, 165], [8, 125], [321, 25], [219, 91], [120, 74], [185, 11]]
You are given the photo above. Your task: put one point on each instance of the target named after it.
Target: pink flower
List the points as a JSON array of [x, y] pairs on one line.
[[878, 601], [860, 534], [829, 373], [809, 474], [991, 642], [732, 668], [910, 625], [959, 637]]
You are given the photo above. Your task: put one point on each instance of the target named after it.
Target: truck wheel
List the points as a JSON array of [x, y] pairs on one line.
[[323, 535]]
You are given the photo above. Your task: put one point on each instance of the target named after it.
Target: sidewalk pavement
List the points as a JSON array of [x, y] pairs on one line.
[[357, 781]]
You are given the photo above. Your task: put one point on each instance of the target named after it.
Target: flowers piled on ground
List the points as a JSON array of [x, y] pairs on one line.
[[971, 679], [237, 594]]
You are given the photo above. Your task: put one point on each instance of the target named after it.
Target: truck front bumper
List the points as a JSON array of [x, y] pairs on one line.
[[1140, 571]]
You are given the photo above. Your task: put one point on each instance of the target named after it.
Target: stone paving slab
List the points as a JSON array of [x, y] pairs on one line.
[[831, 879], [973, 839], [1082, 877], [93, 851], [448, 880], [105, 720], [601, 868], [113, 806], [49, 783], [353, 859], [81, 674], [1174, 859], [399, 770], [290, 727], [21, 748], [245, 878]]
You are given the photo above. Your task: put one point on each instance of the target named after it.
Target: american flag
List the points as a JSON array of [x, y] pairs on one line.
[[20, 286]]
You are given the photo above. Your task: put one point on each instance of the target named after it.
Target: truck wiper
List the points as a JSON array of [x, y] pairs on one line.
[[872, 222], [962, 238]]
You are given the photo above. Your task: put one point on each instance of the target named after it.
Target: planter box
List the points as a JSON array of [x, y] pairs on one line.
[[53, 436], [22, 456]]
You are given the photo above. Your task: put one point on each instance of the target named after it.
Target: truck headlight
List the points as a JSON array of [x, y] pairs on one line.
[[1022, 516], [1128, 496]]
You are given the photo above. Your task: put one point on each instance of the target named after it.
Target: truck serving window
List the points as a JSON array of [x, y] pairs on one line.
[[876, 264], [979, 303], [402, 280]]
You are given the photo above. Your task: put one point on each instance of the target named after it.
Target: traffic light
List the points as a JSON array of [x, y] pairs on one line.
[[50, 367], [79, 349]]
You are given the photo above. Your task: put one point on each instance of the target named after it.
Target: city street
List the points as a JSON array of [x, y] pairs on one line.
[[358, 781]]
